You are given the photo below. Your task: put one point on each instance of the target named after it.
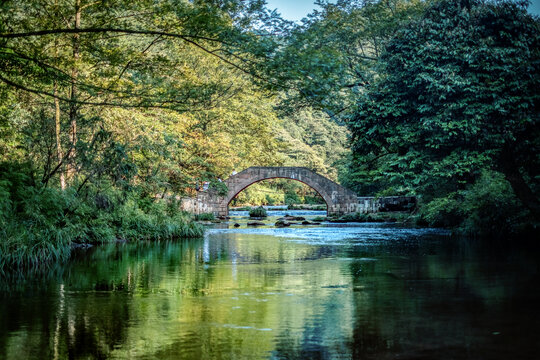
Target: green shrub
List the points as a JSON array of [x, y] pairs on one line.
[[220, 187], [443, 212], [488, 207], [5, 202], [270, 200], [258, 212], [205, 217], [40, 224], [313, 200]]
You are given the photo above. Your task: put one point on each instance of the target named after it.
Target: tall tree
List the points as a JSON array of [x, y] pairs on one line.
[[458, 92], [328, 60], [88, 57]]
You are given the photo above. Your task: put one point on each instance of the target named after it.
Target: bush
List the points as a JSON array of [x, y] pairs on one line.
[[488, 207], [271, 200], [293, 207], [220, 187], [443, 212], [38, 225], [356, 217], [313, 200], [205, 217], [258, 212]]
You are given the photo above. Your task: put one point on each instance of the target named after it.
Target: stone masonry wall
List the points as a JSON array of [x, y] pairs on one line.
[[339, 200]]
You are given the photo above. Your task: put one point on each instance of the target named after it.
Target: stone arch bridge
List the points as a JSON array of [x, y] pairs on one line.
[[339, 200]]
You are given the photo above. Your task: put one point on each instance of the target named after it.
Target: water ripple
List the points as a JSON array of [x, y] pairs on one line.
[[328, 235]]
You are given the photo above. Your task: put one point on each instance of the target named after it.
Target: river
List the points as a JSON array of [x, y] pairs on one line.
[[331, 291]]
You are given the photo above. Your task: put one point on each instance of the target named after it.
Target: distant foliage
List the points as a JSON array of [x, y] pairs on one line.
[[313, 140], [292, 197], [277, 192]]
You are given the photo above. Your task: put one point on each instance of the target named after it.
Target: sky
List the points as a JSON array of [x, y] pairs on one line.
[[297, 9], [534, 8], [292, 9]]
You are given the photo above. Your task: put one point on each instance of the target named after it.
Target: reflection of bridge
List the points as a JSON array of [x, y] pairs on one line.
[[339, 200]]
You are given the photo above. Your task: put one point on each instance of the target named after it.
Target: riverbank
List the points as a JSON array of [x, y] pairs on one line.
[[40, 226]]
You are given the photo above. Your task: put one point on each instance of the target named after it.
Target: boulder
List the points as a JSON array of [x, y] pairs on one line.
[[236, 225], [294, 218], [256, 223], [282, 223]]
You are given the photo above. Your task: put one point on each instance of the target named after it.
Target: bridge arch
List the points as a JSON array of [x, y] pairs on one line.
[[231, 195], [339, 200]]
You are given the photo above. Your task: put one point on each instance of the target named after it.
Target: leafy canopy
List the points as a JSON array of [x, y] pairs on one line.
[[457, 92]]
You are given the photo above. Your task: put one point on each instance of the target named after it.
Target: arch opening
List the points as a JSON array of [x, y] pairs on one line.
[[267, 188]]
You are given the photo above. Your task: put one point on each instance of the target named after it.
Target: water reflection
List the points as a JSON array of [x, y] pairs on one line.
[[368, 291]]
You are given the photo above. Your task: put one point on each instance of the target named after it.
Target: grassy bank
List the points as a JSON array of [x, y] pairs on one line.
[[40, 225]]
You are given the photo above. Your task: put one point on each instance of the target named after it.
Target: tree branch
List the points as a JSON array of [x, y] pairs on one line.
[[141, 104], [106, 30]]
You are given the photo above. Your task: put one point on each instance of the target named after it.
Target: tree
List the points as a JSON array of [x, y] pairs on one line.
[[73, 65], [458, 92], [325, 62]]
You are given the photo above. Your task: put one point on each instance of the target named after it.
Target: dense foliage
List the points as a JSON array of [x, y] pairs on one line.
[[456, 102], [111, 110], [39, 225], [277, 192], [328, 59]]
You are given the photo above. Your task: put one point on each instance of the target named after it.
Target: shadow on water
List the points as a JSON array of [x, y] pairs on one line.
[[366, 291]]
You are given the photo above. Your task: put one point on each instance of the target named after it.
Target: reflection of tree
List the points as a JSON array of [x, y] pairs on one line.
[[432, 300], [180, 298], [238, 295]]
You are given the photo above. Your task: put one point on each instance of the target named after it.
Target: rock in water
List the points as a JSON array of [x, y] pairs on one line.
[[294, 218], [282, 223]]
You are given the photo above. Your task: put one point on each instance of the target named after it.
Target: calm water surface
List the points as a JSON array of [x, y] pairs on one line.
[[363, 291]]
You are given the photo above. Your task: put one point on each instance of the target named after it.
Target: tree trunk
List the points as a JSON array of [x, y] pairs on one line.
[[511, 172], [57, 126], [57, 118], [73, 107]]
